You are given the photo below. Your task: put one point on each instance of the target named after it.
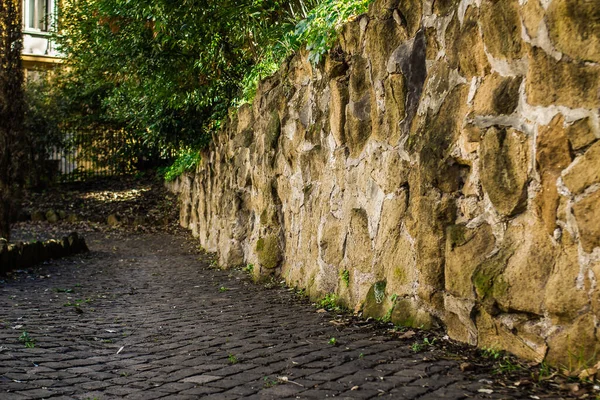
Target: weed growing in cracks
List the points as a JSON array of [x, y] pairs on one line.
[[27, 340]]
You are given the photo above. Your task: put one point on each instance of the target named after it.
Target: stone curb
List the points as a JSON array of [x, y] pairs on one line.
[[25, 255]]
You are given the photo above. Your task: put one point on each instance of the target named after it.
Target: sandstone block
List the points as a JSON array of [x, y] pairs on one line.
[[395, 99], [443, 7], [510, 335], [561, 83], [504, 168], [497, 95], [563, 299], [332, 241], [410, 11], [337, 109], [574, 27], [473, 62], [382, 38], [460, 319], [581, 134], [585, 170], [552, 156], [407, 313], [501, 28], [358, 247], [575, 345], [587, 213], [532, 14], [432, 46], [521, 285], [466, 249]]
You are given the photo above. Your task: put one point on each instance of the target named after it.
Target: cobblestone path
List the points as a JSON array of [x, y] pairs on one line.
[[144, 317]]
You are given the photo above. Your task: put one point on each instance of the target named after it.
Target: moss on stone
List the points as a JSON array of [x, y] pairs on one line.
[[373, 305], [273, 130], [405, 313], [485, 275], [264, 218], [400, 275], [456, 235], [269, 252]]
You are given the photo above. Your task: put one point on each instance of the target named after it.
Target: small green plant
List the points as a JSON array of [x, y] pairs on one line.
[[491, 353], [417, 347], [506, 366], [27, 340], [394, 298], [345, 275], [232, 359], [330, 303], [249, 269], [333, 341], [269, 382], [388, 316], [223, 289], [420, 346], [361, 356], [580, 360], [544, 371]]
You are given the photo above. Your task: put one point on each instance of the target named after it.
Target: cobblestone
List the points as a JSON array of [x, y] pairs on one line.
[[143, 317]]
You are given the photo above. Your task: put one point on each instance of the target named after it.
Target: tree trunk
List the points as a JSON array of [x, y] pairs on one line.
[[5, 213], [12, 106]]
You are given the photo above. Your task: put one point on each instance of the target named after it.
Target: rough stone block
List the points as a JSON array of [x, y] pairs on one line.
[[497, 95], [504, 168], [581, 134], [501, 28], [574, 27], [585, 170], [552, 156], [466, 249], [561, 83], [587, 213]]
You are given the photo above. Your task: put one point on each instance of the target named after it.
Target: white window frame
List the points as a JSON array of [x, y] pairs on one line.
[[50, 16]]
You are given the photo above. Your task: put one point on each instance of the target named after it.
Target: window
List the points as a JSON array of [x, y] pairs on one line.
[[36, 14]]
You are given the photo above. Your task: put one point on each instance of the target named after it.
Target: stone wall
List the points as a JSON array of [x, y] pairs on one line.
[[445, 155]]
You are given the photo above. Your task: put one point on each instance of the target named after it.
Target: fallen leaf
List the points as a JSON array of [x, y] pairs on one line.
[[586, 373], [321, 311], [407, 335], [487, 391], [355, 388], [466, 367]]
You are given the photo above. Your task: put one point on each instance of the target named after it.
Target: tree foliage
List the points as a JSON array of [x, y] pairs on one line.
[[167, 71], [12, 106]]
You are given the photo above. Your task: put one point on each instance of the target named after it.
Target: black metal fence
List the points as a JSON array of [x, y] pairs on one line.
[[104, 153], [91, 155]]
